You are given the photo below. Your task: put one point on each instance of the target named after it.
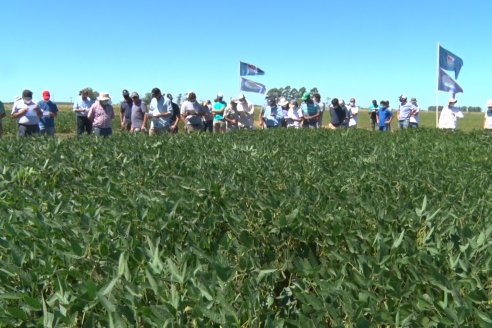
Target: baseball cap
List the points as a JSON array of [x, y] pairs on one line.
[[220, 95], [125, 93], [306, 95], [46, 95]]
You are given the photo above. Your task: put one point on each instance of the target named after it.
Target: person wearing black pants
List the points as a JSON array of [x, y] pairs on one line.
[[81, 109]]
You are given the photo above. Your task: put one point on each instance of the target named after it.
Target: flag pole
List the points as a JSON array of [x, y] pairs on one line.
[[437, 87]]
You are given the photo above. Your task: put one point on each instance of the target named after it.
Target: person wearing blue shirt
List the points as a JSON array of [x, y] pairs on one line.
[[47, 120], [272, 115], [384, 116]]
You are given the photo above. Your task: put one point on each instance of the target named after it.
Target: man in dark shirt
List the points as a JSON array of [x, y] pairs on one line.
[[176, 114], [126, 111], [337, 115]]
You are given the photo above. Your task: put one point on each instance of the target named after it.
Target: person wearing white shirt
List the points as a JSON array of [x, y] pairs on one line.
[[27, 113], [295, 115], [487, 120], [414, 114], [160, 113], [81, 108], [353, 112], [246, 113], [450, 115]]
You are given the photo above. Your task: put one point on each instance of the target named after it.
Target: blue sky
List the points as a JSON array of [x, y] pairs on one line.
[[346, 48]]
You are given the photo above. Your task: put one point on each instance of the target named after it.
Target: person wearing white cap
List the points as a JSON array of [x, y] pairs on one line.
[[414, 115], [487, 120], [284, 103], [218, 112], [450, 115], [101, 114], [246, 112], [403, 113]]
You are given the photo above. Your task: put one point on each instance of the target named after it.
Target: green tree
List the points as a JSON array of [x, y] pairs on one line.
[[93, 94]]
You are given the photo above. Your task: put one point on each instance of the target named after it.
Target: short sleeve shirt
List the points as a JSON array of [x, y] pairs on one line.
[[47, 107]]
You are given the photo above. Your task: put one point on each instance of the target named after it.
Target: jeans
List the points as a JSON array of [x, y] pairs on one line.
[[83, 125], [103, 132], [311, 124], [413, 125], [189, 128], [404, 123], [159, 130], [384, 128], [208, 126], [48, 131], [28, 130]]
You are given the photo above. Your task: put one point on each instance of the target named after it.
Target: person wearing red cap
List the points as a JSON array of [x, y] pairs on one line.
[[50, 110]]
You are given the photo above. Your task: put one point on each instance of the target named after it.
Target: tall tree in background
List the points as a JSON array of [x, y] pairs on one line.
[[287, 92], [93, 94]]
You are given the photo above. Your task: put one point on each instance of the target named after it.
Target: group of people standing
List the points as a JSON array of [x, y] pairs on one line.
[[162, 115], [308, 113], [407, 114]]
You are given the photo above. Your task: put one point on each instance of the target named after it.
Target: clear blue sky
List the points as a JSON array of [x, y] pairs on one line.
[[365, 49]]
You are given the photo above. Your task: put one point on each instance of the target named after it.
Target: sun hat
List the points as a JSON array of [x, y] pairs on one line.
[[452, 100], [489, 103], [306, 96], [283, 102], [134, 94], [413, 99], [104, 96], [46, 95]]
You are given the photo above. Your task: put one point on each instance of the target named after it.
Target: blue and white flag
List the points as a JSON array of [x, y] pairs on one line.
[[249, 69], [252, 86], [446, 83], [449, 61]]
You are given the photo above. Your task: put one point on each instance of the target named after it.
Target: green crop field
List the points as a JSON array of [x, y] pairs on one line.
[[274, 228]]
